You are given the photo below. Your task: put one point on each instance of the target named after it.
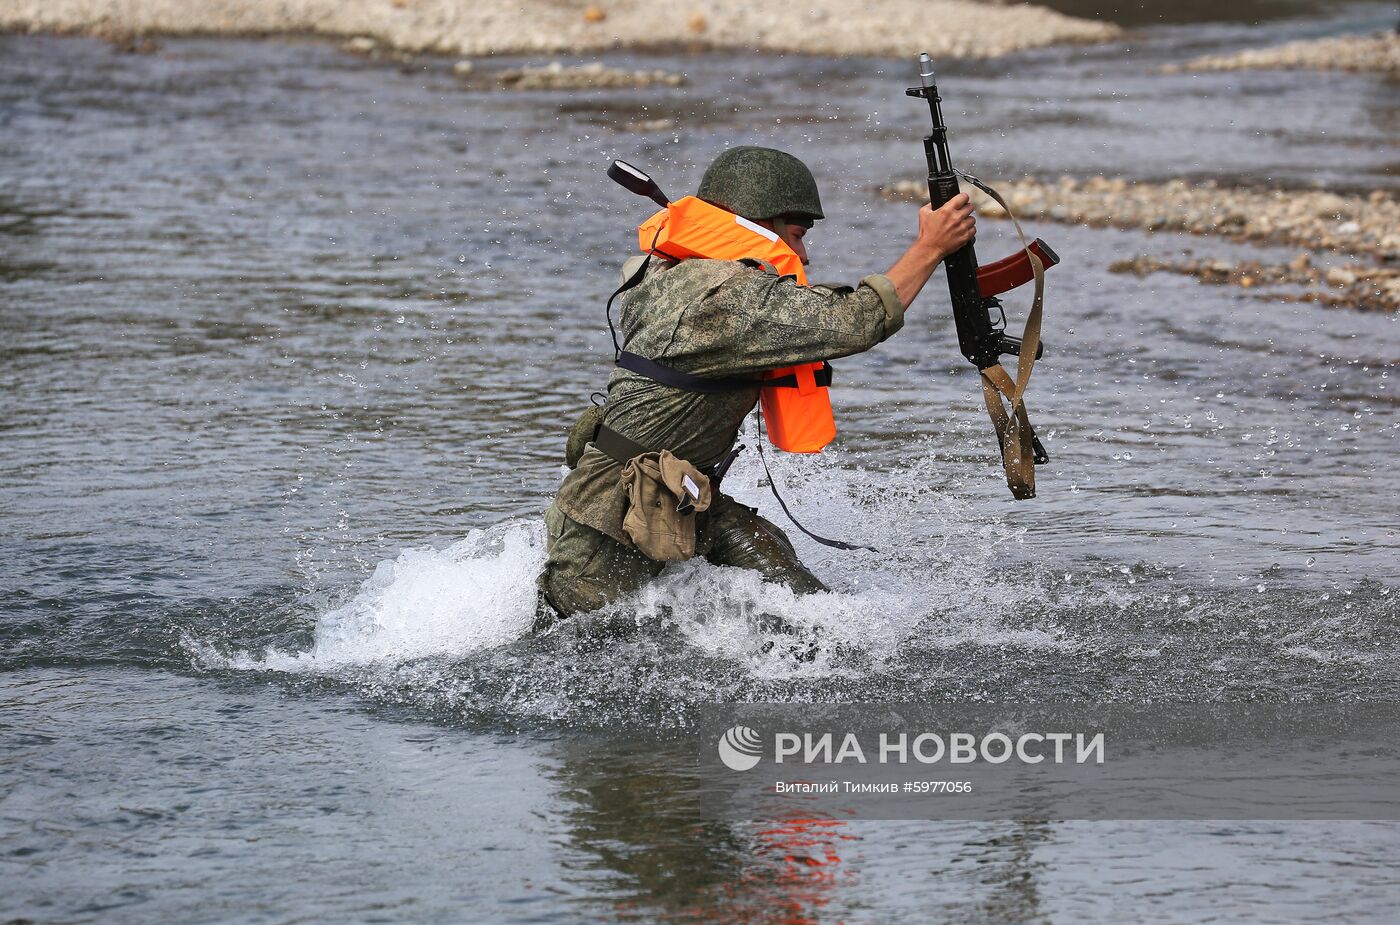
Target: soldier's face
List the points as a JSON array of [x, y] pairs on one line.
[[792, 235]]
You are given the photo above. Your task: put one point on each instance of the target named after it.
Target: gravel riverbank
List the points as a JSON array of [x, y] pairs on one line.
[[587, 77], [1358, 286], [1368, 226], [1379, 53], [946, 28]]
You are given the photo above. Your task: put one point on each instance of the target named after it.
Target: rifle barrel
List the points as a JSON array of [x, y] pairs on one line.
[[977, 339]]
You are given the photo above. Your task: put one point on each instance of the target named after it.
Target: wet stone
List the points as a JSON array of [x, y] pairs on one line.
[[1366, 288], [1366, 226], [1379, 53], [588, 76], [947, 28]]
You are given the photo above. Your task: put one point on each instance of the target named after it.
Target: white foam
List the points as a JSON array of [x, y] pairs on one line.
[[936, 583], [475, 594], [720, 611]]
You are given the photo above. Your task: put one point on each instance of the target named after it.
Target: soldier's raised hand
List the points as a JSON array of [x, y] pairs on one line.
[[944, 230]]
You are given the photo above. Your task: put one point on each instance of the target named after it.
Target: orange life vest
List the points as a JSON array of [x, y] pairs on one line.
[[798, 414]]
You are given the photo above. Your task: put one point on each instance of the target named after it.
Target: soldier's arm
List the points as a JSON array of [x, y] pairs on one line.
[[941, 233], [789, 324], [757, 321]]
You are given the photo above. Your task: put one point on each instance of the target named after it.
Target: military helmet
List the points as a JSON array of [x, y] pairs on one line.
[[761, 183]]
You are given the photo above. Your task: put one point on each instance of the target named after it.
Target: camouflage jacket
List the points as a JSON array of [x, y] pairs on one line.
[[715, 318]]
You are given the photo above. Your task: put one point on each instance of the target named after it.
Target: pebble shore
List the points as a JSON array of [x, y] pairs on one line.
[[1378, 53], [1358, 286], [1367, 226], [944, 28], [588, 76]]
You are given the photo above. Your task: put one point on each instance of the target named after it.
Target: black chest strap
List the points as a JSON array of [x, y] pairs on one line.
[[687, 382], [680, 380]]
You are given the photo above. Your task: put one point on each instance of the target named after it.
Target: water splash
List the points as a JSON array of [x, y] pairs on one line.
[[476, 594], [449, 629]]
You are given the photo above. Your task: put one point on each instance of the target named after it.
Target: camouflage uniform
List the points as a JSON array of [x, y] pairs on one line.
[[713, 318]]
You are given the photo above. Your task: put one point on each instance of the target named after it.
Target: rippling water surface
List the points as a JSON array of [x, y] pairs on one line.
[[289, 343]]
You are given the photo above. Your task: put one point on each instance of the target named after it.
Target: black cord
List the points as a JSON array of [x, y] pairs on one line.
[[628, 283], [773, 487]]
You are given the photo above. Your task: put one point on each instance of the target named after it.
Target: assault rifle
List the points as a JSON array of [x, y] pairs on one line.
[[975, 292]]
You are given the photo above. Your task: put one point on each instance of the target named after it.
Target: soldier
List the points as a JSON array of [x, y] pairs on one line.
[[720, 318]]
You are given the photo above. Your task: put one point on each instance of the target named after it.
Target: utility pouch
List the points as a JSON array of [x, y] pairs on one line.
[[664, 493]]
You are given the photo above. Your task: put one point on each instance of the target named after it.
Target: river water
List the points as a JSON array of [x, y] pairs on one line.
[[290, 340]]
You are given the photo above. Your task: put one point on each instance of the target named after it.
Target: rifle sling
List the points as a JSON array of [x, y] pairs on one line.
[[1020, 449]]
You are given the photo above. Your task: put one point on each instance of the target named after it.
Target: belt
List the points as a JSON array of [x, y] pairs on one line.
[[623, 448]]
